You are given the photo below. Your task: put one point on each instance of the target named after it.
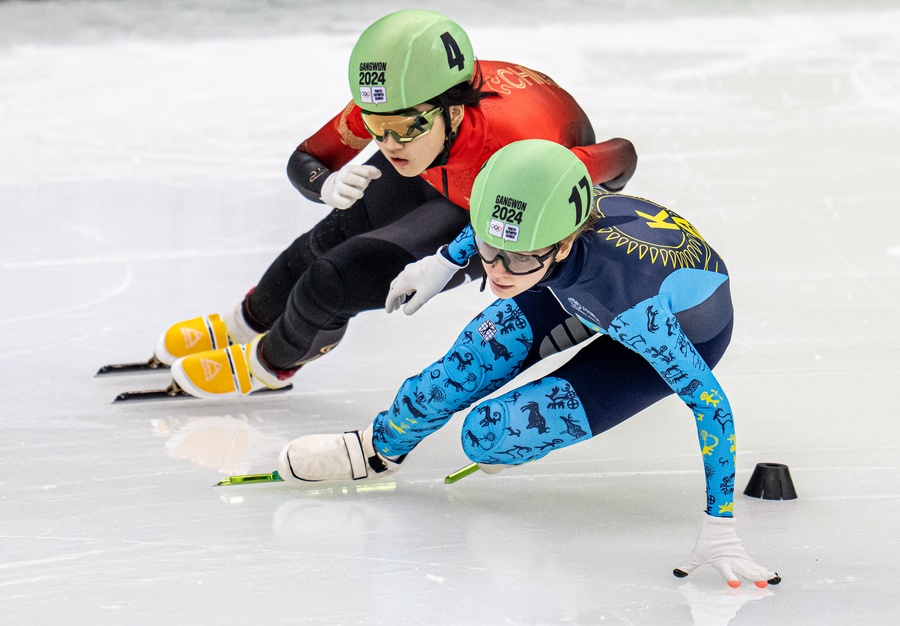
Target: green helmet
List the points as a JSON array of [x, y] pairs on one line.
[[407, 58], [531, 194]]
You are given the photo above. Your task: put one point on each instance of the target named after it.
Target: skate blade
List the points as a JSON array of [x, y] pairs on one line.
[[174, 392], [249, 479], [150, 365], [461, 473]]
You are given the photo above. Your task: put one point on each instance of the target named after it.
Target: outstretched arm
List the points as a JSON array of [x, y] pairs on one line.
[[678, 363], [667, 348]]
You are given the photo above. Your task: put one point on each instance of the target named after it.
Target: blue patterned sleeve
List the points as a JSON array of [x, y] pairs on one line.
[[462, 248], [651, 329]]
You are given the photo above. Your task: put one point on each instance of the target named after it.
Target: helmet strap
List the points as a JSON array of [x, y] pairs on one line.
[[444, 156], [450, 137], [550, 269]]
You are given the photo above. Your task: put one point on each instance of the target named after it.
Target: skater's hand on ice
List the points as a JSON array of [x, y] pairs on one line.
[[718, 545], [419, 282], [345, 186]]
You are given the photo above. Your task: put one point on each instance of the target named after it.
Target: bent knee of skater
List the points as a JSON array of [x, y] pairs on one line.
[[321, 288], [485, 434]]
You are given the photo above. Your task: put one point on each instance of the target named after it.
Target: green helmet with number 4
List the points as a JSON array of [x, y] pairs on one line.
[[529, 195], [407, 58]]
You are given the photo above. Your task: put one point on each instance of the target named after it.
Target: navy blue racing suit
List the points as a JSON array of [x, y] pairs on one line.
[[655, 299]]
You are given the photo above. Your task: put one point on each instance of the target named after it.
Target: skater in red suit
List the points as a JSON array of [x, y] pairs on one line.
[[436, 115]]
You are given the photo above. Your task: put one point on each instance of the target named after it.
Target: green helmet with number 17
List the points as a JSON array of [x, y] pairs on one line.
[[407, 58], [529, 195]]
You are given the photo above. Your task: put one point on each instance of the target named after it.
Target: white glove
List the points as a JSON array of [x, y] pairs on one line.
[[718, 545], [422, 280], [345, 186]]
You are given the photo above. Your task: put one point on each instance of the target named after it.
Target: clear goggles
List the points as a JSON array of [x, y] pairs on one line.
[[403, 126], [516, 263]]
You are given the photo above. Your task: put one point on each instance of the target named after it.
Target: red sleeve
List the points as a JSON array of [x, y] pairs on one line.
[[339, 140], [612, 162]]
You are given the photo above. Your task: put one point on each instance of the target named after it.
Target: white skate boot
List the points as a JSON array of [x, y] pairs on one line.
[[350, 456], [199, 334]]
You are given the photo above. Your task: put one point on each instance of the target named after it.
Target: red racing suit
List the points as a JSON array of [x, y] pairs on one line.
[[529, 105], [345, 264]]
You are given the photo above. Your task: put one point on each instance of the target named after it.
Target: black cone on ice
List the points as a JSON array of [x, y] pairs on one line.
[[771, 481]]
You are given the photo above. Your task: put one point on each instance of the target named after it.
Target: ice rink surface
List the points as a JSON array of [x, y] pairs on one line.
[[142, 155]]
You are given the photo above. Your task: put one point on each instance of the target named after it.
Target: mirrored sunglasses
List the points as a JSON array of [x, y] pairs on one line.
[[403, 126]]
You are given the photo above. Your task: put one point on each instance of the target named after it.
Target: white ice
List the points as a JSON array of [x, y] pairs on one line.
[[142, 155]]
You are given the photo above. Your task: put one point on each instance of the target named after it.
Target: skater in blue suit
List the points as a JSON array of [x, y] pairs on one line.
[[569, 263]]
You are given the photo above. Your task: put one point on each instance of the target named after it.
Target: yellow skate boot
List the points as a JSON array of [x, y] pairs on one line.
[[229, 372], [209, 332]]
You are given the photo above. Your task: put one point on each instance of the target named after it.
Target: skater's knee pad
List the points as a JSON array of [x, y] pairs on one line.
[[356, 276], [320, 294], [485, 431]]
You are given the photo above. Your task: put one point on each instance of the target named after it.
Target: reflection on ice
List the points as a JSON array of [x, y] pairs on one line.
[[227, 443], [718, 607]]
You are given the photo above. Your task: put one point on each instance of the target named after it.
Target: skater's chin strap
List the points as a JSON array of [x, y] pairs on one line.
[[442, 159]]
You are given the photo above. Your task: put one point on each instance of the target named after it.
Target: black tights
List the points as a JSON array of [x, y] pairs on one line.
[[344, 265]]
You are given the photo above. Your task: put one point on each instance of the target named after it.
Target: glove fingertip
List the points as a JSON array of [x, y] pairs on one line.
[[774, 581], [679, 573], [734, 584]]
